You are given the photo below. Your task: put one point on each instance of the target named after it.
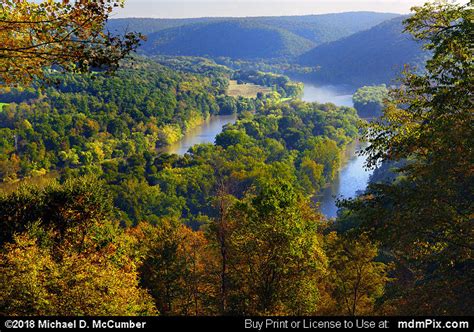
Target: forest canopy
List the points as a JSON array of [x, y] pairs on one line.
[[370, 100], [96, 220], [424, 217]]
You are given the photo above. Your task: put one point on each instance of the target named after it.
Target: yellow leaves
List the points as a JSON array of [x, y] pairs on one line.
[[356, 279], [170, 133], [22, 270], [176, 266], [35, 281], [34, 36]]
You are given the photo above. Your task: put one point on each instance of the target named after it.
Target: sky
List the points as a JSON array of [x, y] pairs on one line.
[[208, 8]]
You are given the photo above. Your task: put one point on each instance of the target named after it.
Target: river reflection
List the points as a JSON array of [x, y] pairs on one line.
[[352, 177], [204, 133]]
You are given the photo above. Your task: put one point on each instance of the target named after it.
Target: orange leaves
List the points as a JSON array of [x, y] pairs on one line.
[[36, 36], [176, 266], [34, 281]]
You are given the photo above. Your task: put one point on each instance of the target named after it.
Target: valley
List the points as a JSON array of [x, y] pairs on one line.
[[210, 166]]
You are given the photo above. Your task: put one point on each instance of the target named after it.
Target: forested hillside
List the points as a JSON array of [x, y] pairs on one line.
[[327, 27], [84, 120], [179, 213], [359, 48], [369, 57], [237, 39], [261, 37], [422, 215], [317, 28]]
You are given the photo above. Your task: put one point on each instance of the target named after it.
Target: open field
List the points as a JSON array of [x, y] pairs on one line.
[[247, 90]]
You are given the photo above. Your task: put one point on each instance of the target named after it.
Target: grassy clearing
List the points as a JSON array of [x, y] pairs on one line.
[[246, 90]]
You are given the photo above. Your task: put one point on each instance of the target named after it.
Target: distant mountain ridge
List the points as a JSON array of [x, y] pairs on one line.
[[373, 56], [357, 48], [236, 39], [247, 38]]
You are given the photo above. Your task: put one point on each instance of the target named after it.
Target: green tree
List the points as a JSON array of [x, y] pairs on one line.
[[356, 279], [61, 255], [369, 100], [425, 217], [275, 253]]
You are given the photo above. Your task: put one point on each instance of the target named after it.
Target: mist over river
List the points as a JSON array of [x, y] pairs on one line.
[[341, 95]]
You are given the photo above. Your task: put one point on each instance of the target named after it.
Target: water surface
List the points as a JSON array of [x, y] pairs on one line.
[[340, 95], [352, 177], [204, 133]]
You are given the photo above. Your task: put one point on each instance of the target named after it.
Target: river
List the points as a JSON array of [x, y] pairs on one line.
[[340, 95], [352, 176], [205, 133]]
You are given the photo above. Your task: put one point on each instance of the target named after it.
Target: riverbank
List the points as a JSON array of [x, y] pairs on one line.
[[351, 178], [203, 133]]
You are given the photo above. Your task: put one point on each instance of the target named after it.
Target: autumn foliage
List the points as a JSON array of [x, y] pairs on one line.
[[59, 35]]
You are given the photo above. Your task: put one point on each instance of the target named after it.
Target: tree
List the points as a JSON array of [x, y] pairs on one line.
[[356, 280], [60, 35], [311, 175], [325, 152], [220, 232], [175, 267], [61, 255], [369, 100], [425, 217], [275, 253], [35, 281]]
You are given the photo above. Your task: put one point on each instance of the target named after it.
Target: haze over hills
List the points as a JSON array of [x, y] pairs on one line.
[[235, 39], [255, 37], [367, 57], [357, 48]]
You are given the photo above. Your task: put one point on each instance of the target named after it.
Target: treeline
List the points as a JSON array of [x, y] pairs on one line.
[[196, 65], [265, 253], [221, 73], [281, 84], [369, 100], [317, 28], [82, 121], [369, 57], [230, 229], [226, 229], [299, 142], [422, 211]]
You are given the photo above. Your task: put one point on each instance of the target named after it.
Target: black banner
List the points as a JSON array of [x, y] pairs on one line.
[[237, 323]]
